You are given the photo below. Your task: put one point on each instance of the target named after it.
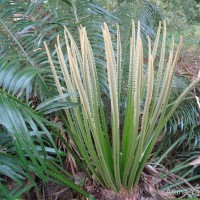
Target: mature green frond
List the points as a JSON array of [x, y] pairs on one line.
[[24, 27], [27, 146], [147, 13]]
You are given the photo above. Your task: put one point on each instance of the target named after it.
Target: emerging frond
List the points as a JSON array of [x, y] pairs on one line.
[[117, 163]]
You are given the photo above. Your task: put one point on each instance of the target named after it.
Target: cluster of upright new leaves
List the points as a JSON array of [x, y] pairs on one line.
[[118, 163]]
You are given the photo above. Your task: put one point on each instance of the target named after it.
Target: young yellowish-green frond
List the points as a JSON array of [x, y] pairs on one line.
[[116, 157], [113, 87]]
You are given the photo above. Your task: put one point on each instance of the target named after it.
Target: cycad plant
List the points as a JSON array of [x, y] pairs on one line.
[[116, 156]]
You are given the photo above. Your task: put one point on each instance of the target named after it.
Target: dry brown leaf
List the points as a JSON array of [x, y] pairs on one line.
[[166, 195], [195, 162], [151, 171], [152, 180], [198, 102]]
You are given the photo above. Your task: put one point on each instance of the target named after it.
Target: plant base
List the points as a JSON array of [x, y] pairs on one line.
[[123, 195]]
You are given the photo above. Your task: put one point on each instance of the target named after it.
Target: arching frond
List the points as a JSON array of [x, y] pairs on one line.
[[24, 27], [27, 146]]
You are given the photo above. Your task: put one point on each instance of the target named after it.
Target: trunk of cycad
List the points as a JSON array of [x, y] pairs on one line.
[[117, 165]]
